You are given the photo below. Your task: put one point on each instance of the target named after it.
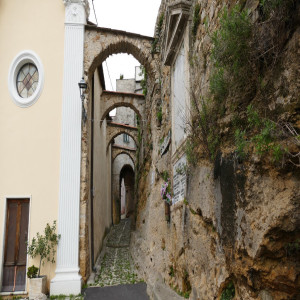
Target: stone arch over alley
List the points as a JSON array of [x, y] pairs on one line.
[[118, 150], [103, 42], [115, 129], [113, 100]]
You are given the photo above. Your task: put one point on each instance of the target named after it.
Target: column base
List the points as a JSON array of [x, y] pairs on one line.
[[66, 282]]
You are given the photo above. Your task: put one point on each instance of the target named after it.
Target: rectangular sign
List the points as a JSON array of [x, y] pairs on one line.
[[179, 179], [165, 143]]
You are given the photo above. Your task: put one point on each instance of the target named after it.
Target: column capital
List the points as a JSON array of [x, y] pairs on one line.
[[77, 11]]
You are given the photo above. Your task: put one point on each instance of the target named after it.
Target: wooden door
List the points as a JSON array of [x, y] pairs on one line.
[[14, 267]]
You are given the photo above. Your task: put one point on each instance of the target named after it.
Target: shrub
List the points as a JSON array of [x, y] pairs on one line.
[[44, 246], [229, 292], [32, 271], [231, 52], [196, 19]]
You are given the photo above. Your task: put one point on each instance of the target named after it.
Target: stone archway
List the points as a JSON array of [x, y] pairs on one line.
[[110, 100], [115, 129], [102, 42], [118, 150]]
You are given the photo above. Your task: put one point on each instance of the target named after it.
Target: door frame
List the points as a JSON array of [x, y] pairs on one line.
[[3, 241]]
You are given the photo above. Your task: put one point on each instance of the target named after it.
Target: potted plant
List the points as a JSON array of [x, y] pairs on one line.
[[166, 196], [44, 247]]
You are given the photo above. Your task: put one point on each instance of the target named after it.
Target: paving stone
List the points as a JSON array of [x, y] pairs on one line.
[[116, 266]]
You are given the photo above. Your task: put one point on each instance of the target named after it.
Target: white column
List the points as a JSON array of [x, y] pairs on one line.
[[68, 280]]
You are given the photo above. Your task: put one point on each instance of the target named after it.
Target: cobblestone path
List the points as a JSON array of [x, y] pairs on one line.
[[116, 266]]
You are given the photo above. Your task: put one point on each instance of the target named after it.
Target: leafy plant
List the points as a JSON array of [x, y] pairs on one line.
[[32, 271], [231, 51], [196, 19], [240, 142], [166, 191], [218, 85], [229, 292], [159, 115], [44, 246], [157, 33], [144, 80], [171, 272]]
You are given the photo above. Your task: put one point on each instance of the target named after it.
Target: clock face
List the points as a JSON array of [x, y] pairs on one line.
[[27, 80]]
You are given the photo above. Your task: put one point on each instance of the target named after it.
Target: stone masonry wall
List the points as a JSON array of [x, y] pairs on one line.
[[240, 219]]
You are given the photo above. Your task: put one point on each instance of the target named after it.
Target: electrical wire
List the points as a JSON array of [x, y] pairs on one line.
[[109, 76], [95, 12]]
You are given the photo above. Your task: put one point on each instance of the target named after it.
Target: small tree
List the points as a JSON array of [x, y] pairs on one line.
[[44, 245]]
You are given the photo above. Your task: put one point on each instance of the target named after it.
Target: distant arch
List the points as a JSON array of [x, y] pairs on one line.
[[111, 100], [113, 132], [126, 153]]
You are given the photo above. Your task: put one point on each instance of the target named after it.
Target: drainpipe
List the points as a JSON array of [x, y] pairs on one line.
[[92, 177]]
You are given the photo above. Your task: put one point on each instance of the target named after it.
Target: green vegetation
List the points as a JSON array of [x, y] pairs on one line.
[[171, 272], [262, 133], [196, 19], [228, 292], [32, 271], [44, 246], [165, 175], [231, 52], [159, 115], [240, 54], [293, 248], [144, 80], [158, 29], [70, 297], [204, 130]]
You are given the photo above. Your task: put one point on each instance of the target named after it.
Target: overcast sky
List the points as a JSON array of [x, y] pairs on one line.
[[138, 16]]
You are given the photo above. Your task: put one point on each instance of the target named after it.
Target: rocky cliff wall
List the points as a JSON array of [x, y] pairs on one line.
[[237, 230]]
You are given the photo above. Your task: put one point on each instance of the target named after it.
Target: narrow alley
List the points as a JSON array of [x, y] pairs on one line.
[[115, 275]]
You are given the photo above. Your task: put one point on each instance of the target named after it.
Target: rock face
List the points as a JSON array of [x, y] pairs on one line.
[[238, 227]]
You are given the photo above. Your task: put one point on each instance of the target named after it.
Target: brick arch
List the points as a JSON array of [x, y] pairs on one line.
[[100, 43]]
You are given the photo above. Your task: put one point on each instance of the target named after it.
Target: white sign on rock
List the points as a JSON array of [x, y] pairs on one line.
[[165, 144], [179, 179]]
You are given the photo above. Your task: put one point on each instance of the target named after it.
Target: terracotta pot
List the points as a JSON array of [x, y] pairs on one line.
[[167, 211]]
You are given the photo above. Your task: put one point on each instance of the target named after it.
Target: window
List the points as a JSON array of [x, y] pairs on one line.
[[26, 78], [125, 138]]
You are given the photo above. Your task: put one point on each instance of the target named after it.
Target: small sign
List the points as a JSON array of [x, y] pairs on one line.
[[179, 179], [165, 144], [152, 177]]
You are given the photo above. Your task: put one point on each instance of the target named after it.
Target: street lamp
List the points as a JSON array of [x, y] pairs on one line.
[[82, 88]]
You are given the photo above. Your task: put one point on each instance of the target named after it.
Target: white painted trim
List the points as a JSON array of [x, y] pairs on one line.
[[178, 151], [3, 242], [67, 279], [13, 293], [26, 56]]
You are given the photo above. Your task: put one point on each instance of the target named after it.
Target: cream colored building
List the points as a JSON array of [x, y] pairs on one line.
[[41, 151]]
